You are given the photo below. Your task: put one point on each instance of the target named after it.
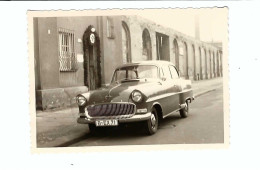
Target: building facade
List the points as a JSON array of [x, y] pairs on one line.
[[77, 54]]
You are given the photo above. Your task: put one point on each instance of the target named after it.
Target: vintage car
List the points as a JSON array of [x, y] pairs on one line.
[[145, 91]]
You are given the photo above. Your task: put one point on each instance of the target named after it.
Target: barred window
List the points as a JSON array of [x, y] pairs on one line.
[[67, 58], [110, 28]]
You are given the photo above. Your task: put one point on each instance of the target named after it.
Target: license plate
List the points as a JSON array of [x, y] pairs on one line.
[[112, 122]]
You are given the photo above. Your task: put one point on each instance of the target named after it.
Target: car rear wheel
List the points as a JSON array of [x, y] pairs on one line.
[[185, 111], [151, 125]]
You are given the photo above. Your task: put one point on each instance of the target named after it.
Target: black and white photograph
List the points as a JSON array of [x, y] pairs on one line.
[[130, 85], [129, 77]]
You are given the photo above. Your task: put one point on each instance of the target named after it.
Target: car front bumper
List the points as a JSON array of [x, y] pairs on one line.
[[135, 118]]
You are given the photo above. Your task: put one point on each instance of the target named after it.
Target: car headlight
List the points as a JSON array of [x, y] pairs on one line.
[[81, 100], [137, 96]]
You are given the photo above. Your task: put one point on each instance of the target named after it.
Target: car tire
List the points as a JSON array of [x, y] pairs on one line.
[[92, 128], [185, 111], [96, 130], [151, 125]]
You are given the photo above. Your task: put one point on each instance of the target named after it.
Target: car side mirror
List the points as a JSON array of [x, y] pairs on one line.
[[179, 72], [105, 85], [163, 78]]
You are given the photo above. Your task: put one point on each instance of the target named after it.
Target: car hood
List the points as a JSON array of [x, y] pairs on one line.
[[120, 92]]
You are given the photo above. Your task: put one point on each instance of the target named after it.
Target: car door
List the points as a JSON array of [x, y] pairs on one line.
[[170, 83], [176, 88]]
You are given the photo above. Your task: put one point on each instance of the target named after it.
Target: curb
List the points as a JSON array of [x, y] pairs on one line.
[[67, 139], [72, 141], [204, 92]]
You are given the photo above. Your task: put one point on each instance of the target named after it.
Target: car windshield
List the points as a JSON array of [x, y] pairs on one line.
[[135, 72]]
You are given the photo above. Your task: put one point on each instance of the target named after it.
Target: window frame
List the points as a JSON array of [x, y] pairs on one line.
[[175, 70], [67, 50], [166, 66]]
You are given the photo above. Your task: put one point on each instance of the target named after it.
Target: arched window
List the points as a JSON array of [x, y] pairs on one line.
[[206, 65], [126, 44], [194, 63], [218, 74], [210, 65], [176, 53], [214, 65], [200, 55], [220, 63], [186, 62], [147, 45]]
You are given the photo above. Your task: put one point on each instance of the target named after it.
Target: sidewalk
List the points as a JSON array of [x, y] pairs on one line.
[[55, 128], [59, 127], [204, 86]]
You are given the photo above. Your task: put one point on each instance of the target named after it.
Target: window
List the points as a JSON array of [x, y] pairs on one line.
[[173, 72], [110, 28], [166, 72], [67, 58], [126, 43], [135, 72], [176, 53], [147, 72], [147, 45]]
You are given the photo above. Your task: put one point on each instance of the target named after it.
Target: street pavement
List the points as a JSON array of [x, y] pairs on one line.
[[58, 128]]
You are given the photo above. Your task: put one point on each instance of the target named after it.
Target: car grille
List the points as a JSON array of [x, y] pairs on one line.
[[111, 110]]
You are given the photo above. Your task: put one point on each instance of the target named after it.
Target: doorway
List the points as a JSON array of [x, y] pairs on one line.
[[162, 46], [92, 67]]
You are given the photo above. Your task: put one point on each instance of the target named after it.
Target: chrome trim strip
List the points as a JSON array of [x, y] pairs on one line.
[[171, 113], [112, 89], [167, 95], [160, 96], [134, 118]]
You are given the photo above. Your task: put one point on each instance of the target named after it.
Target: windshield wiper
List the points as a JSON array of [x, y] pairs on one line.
[[128, 80]]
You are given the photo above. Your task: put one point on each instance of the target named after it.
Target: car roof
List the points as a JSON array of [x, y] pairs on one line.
[[158, 63]]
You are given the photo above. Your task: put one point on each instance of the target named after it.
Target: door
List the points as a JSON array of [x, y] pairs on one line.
[[92, 57], [92, 67], [171, 101]]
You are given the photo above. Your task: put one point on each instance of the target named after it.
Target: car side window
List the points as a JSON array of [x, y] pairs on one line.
[[174, 73], [166, 72]]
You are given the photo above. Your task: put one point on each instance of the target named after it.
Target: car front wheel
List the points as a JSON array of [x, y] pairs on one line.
[[151, 125], [92, 128], [185, 111]]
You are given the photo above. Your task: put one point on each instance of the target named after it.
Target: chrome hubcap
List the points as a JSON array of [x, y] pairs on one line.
[[186, 107], [153, 120]]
